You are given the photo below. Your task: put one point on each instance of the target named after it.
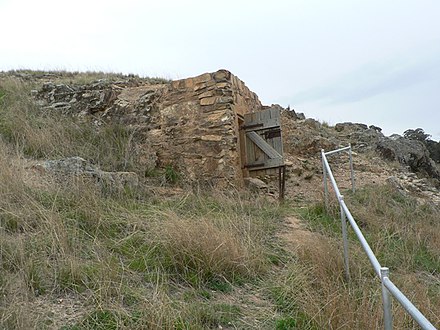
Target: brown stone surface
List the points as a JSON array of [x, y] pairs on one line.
[[190, 124]]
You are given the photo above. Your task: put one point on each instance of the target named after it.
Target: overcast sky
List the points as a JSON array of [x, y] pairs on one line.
[[375, 62]]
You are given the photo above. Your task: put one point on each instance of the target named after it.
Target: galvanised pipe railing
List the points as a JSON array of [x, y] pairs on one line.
[[388, 286], [327, 166]]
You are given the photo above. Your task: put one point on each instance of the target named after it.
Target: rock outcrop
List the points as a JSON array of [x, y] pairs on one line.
[[411, 153], [77, 166], [361, 137], [304, 137], [126, 101]]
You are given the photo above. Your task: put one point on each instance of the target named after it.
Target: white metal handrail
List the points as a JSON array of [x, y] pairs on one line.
[[382, 272], [370, 254]]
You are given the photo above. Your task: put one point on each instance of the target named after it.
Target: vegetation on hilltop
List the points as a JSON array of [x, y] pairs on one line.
[[77, 77], [139, 260]]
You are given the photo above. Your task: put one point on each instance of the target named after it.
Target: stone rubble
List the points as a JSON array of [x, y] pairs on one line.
[[409, 183]]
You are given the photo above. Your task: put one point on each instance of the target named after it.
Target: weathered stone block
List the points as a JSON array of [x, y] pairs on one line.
[[222, 75], [206, 85], [223, 85], [208, 100], [202, 78], [207, 94], [215, 138], [224, 99]]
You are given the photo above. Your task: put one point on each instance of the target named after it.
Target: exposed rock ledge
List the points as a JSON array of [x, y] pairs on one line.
[[77, 166]]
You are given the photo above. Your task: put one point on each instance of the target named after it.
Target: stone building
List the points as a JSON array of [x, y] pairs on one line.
[[191, 124], [199, 130]]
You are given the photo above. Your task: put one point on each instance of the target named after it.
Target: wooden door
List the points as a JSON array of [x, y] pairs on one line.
[[261, 134]]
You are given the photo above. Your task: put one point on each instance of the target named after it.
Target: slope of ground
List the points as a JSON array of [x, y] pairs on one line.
[[76, 254]]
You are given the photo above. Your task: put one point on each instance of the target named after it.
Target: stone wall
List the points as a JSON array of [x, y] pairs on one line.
[[199, 126], [190, 124]]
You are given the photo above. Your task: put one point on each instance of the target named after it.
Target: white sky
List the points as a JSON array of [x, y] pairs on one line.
[[370, 61]]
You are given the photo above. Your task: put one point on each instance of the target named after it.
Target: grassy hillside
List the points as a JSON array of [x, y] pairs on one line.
[[74, 255]]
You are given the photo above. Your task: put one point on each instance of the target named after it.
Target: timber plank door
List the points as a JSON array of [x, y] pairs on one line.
[[262, 141]]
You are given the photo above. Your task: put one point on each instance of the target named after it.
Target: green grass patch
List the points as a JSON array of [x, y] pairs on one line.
[[99, 320], [319, 220]]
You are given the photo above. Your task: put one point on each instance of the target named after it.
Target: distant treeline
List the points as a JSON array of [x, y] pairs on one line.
[[420, 135]]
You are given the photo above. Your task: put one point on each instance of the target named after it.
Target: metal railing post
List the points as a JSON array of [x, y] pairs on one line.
[[407, 305], [324, 172], [386, 300], [345, 239], [351, 167]]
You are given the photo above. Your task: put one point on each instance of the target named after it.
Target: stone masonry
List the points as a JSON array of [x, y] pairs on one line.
[[199, 126], [190, 124]]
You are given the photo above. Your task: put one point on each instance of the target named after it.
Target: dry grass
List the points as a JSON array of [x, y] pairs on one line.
[[410, 227], [131, 263], [199, 249], [47, 134], [79, 78], [194, 261], [404, 236]]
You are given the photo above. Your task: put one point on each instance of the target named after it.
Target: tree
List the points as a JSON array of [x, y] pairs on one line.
[[416, 134]]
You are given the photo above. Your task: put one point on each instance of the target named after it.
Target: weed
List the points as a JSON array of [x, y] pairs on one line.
[[319, 220], [171, 175], [286, 324], [99, 319], [220, 285]]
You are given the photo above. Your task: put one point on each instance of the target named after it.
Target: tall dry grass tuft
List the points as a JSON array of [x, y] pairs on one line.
[[200, 250]]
